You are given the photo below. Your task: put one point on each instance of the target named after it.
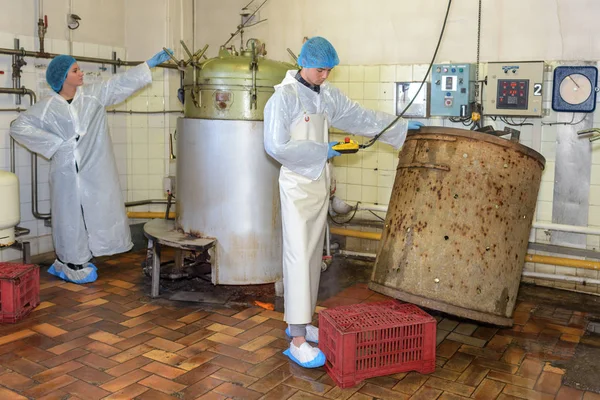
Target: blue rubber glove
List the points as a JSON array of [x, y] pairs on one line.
[[332, 153], [158, 58], [414, 125]]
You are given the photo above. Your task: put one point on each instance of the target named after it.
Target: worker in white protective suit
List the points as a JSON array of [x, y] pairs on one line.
[[297, 118], [70, 129]]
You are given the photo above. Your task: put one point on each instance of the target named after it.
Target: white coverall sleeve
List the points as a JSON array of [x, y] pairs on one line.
[[304, 157], [352, 118], [28, 131], [118, 88]]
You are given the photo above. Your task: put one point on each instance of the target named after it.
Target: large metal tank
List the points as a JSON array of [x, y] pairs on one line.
[[227, 186], [457, 228]]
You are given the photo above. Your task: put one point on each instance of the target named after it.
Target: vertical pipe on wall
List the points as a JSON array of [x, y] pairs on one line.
[[193, 25], [70, 30]]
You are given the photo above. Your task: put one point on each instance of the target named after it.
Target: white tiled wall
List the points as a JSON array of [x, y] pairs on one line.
[[139, 140]]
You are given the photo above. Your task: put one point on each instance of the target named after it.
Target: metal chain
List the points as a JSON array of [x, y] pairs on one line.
[[477, 92]]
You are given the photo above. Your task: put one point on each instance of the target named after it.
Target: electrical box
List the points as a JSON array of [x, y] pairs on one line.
[[407, 91], [514, 89], [452, 89]]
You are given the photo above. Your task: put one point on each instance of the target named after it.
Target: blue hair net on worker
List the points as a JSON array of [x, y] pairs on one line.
[[57, 71], [317, 52]]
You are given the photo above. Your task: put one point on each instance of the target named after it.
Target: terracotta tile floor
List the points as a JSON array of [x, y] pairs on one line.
[[109, 340]]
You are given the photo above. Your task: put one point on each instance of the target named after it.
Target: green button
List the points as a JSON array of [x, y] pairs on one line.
[[460, 70]]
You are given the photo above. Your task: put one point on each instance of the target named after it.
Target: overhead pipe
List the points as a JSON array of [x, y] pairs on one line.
[[96, 60], [13, 109], [144, 112]]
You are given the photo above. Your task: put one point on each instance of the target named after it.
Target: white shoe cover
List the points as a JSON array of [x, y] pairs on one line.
[[312, 334], [306, 356], [85, 275]]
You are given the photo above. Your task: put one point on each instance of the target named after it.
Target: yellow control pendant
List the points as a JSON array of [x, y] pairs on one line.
[[346, 147]]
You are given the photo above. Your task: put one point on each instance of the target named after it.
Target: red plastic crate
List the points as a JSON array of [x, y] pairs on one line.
[[19, 290], [362, 341]]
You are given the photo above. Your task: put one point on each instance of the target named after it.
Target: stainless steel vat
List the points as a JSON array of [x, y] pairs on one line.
[[227, 189], [227, 186]]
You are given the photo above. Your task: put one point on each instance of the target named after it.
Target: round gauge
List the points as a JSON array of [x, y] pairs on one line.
[[575, 88]]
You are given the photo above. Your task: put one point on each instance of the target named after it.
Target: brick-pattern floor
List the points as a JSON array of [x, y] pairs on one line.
[[109, 340]]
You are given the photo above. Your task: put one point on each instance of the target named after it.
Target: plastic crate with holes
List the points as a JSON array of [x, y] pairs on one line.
[[19, 291], [366, 340]]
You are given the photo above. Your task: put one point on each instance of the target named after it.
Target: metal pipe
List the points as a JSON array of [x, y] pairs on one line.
[[357, 254], [144, 202], [566, 228], [13, 167], [526, 274], [34, 172], [563, 261], [12, 109], [118, 62], [21, 91], [17, 63], [144, 112], [21, 231], [354, 233], [341, 207], [578, 279], [534, 258], [34, 190], [149, 215]]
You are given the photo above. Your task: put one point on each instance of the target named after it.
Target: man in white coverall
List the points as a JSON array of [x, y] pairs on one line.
[[297, 118], [70, 128]]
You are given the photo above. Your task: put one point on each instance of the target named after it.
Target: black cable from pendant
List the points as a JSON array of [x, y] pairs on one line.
[[374, 138]]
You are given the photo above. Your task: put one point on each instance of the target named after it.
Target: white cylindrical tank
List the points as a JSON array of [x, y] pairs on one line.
[[9, 207]]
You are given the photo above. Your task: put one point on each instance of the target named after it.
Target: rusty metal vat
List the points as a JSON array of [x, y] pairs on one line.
[[458, 223]]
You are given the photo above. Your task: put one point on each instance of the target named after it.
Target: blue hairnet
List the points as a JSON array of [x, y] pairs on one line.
[[317, 52], [57, 71]]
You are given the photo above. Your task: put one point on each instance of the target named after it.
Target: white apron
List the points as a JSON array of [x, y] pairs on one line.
[[304, 205]]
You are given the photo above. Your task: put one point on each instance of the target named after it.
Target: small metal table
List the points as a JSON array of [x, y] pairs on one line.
[[163, 232]]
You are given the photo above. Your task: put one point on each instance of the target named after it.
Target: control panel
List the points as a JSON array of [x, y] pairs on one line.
[[514, 89], [405, 92], [452, 89]]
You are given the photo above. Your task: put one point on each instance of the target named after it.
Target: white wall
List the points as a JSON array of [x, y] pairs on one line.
[[102, 22], [406, 31]]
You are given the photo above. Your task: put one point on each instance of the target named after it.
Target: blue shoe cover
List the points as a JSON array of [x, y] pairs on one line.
[[312, 334], [85, 275], [316, 362]]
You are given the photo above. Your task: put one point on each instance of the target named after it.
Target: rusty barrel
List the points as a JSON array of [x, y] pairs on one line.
[[458, 223]]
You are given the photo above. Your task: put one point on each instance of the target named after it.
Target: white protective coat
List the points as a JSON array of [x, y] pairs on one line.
[[88, 211], [296, 135]]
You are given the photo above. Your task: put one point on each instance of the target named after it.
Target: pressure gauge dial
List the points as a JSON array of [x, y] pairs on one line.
[[575, 88]]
